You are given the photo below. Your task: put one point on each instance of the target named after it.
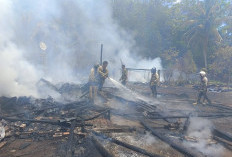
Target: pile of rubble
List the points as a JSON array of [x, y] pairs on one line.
[[34, 120], [77, 127]]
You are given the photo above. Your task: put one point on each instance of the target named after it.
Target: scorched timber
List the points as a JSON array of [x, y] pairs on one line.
[[222, 135], [126, 145], [173, 144], [55, 122], [101, 148], [183, 116], [70, 150], [65, 123]]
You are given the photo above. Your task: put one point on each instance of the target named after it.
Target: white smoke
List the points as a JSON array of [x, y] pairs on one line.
[[144, 76], [72, 31], [17, 74], [200, 129]]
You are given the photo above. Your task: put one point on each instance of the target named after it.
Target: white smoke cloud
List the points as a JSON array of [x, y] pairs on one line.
[[201, 130], [17, 75], [72, 31], [177, 1]]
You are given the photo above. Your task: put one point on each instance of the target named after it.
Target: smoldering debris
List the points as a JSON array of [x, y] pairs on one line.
[[200, 137], [61, 92], [46, 119], [2, 131], [72, 122]]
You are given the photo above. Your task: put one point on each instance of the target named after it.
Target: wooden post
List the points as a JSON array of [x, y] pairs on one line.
[[101, 54]]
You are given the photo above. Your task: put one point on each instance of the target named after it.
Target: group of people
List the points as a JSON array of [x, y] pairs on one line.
[[202, 90], [153, 82], [99, 73], [97, 77]]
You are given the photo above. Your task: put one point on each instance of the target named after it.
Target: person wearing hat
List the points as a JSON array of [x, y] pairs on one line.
[[154, 81], [103, 74], [203, 89], [93, 82], [124, 77]]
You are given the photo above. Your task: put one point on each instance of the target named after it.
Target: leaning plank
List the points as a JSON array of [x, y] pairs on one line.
[[100, 148], [223, 135], [128, 146], [180, 148]]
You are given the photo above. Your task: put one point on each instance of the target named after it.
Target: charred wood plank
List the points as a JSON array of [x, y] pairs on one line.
[[223, 142], [116, 130], [106, 112], [85, 88], [134, 148], [66, 106], [61, 123], [128, 146], [222, 135], [185, 116], [49, 84], [223, 107], [83, 95], [64, 123], [32, 120], [177, 146], [70, 150], [186, 125], [101, 148]]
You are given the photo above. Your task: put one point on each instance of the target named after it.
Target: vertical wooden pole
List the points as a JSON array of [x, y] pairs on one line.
[[101, 54]]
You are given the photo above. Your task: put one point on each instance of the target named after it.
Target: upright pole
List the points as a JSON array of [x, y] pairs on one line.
[[101, 54]]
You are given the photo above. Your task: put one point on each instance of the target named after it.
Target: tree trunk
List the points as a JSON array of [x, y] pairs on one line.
[[205, 48], [205, 57]]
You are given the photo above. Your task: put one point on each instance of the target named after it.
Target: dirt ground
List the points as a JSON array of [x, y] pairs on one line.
[[187, 92], [224, 98]]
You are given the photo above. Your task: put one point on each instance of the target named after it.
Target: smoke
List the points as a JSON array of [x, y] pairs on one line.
[[144, 76], [72, 32], [142, 141], [17, 74], [200, 129]]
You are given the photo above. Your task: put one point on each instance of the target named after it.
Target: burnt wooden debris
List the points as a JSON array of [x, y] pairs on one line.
[[222, 135], [78, 126], [100, 148], [177, 146], [126, 145]]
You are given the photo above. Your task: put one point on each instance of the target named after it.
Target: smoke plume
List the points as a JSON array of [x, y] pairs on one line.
[[201, 130], [71, 32]]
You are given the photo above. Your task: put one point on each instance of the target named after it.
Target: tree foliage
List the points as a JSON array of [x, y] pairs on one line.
[[221, 68], [191, 31]]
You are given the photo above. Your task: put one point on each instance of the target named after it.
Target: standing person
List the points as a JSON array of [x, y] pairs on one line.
[[154, 81], [203, 89], [103, 74], [124, 77], [159, 77], [93, 82]]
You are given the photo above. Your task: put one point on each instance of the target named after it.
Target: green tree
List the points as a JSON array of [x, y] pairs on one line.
[[221, 68], [203, 18], [170, 59], [147, 21]]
